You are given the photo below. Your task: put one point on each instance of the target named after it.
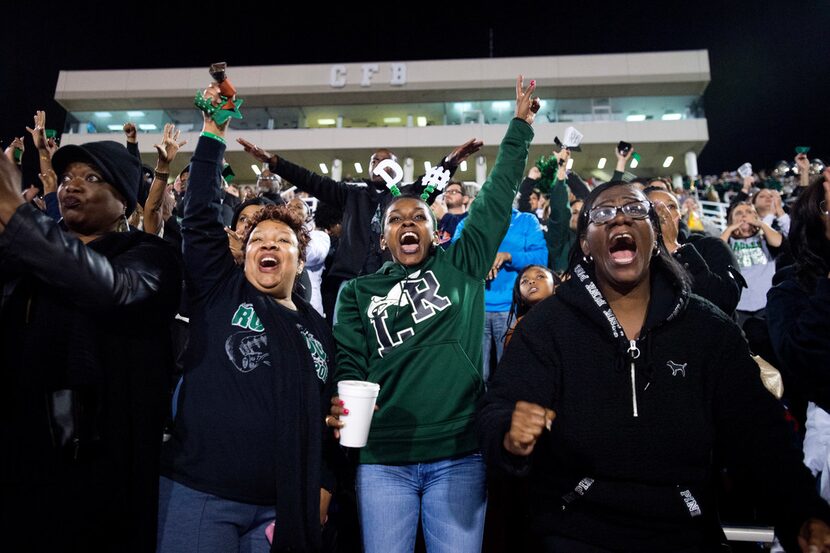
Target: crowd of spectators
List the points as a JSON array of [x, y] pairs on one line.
[[171, 345]]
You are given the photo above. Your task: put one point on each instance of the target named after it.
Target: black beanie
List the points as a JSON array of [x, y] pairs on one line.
[[118, 166]]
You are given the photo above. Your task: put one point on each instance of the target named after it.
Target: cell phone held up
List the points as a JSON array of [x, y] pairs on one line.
[[624, 147]]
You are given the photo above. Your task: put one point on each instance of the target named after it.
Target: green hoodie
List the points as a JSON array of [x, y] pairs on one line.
[[417, 331]]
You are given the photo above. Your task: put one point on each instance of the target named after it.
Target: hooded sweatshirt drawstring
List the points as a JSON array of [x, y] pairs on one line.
[[634, 353]]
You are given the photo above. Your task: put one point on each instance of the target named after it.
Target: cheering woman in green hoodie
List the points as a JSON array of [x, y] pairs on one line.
[[415, 327]]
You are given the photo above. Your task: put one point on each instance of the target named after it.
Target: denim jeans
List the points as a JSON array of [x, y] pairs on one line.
[[495, 327], [450, 495], [194, 521]]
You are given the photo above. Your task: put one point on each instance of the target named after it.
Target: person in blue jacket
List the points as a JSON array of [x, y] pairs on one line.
[[523, 245]]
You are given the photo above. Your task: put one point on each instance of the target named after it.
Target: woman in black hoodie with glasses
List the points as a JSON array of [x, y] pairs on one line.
[[602, 399]]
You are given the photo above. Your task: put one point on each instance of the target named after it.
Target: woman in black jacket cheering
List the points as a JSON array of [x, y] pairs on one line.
[[85, 356], [614, 413], [247, 447]]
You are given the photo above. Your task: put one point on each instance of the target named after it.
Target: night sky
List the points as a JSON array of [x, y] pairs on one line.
[[770, 61]]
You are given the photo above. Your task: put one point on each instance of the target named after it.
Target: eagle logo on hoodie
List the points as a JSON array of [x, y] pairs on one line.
[[417, 293]]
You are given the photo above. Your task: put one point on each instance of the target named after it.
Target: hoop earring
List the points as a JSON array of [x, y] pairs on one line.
[[822, 206], [588, 259], [123, 224]]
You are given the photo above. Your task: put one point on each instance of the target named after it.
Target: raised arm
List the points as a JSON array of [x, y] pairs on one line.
[[207, 257], [131, 134], [803, 164], [526, 189], [167, 151], [450, 162], [484, 228], [558, 222], [622, 161], [45, 146], [319, 186]]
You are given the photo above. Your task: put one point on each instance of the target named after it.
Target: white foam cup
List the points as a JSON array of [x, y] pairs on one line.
[[359, 398]]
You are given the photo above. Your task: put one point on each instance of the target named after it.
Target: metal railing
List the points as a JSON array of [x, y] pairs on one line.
[[714, 212]]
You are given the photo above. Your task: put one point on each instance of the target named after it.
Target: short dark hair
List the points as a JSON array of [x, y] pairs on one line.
[[664, 180], [282, 214], [327, 215], [460, 185], [253, 201], [731, 209]]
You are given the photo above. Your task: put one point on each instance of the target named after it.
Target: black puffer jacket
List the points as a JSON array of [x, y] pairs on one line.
[[626, 464]]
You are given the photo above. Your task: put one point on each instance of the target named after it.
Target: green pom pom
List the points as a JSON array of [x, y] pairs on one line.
[[548, 166]]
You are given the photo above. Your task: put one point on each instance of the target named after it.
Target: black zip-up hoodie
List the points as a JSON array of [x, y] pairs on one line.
[[626, 463]]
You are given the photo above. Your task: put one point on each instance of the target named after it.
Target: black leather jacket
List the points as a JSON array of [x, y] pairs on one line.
[[84, 358]]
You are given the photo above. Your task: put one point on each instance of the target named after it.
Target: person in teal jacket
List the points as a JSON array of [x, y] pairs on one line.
[[415, 327]]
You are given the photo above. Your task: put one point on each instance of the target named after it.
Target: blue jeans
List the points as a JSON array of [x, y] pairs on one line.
[[495, 327], [450, 495], [194, 521]]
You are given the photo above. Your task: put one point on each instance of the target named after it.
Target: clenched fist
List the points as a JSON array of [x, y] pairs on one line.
[[526, 425]]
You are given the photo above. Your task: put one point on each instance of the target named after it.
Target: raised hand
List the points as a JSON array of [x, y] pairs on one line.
[[235, 243], [464, 151], [51, 146], [526, 104], [622, 160], [621, 157], [213, 94], [10, 197], [526, 425], [169, 146], [130, 132], [30, 193], [16, 144], [777, 208], [562, 157], [667, 226], [803, 163], [39, 132], [257, 153]]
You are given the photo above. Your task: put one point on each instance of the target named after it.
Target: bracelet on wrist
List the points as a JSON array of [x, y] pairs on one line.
[[162, 175], [214, 136]]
